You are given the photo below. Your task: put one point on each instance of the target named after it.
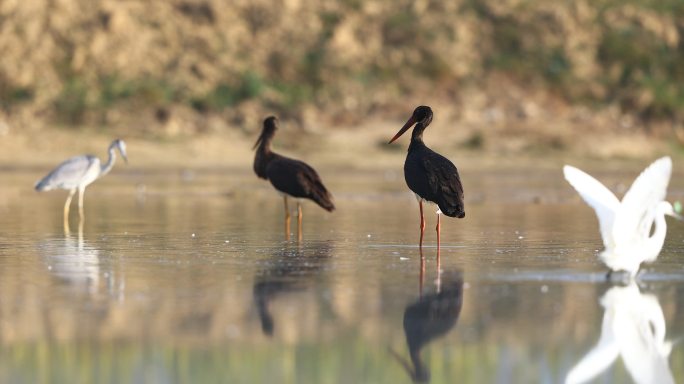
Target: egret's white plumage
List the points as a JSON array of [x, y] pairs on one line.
[[634, 328], [77, 173], [626, 226]]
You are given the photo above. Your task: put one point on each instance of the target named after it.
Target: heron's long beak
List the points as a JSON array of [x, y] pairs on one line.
[[403, 129], [123, 156]]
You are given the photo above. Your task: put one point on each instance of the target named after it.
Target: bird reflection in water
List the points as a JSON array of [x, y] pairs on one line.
[[432, 316], [291, 269], [73, 261], [633, 327]]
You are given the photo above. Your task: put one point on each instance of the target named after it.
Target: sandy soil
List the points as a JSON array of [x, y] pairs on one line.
[[350, 147]]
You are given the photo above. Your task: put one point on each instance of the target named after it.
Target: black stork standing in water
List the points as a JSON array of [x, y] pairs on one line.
[[289, 176], [431, 176]]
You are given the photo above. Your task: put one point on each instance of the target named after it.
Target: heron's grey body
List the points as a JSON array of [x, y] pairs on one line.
[[77, 173]]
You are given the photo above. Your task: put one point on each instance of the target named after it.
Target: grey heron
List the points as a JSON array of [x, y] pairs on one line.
[[77, 173]]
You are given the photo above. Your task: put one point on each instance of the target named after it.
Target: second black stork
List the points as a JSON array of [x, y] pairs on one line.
[[431, 176], [290, 177]]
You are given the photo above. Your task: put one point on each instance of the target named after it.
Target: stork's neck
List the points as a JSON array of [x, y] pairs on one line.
[[263, 156], [265, 144], [110, 162], [417, 134], [417, 137], [263, 152]]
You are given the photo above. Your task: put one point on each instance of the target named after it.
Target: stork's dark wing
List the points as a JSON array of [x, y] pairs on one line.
[[298, 179], [444, 184]]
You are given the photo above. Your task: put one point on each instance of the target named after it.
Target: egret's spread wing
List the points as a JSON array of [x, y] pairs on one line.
[[634, 218], [598, 197], [68, 174]]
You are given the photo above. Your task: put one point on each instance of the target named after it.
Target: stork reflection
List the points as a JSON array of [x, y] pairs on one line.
[[431, 317], [290, 269], [633, 327]]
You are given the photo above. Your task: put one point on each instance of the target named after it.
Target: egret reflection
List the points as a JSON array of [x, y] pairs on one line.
[[431, 317], [633, 327], [289, 270]]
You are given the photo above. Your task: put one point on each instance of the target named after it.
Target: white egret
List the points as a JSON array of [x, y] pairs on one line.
[[626, 226], [633, 327], [77, 173]]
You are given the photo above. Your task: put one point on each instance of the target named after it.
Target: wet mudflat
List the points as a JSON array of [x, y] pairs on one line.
[[188, 277]]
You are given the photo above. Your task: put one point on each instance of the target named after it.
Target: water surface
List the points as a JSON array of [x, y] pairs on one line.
[[187, 277]]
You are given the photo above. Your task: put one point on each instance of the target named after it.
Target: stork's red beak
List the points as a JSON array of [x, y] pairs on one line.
[[403, 129]]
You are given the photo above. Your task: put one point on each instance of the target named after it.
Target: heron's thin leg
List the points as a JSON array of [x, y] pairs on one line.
[[80, 233], [81, 191], [287, 219], [67, 204], [422, 223], [299, 221]]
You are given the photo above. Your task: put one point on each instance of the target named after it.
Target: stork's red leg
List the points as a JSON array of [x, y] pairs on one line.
[[438, 239], [438, 231], [287, 219], [422, 223], [421, 280], [299, 221]]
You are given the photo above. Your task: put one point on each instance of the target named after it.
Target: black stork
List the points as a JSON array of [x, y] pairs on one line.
[[431, 176], [290, 177]]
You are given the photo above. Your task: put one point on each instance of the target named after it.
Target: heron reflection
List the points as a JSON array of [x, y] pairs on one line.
[[289, 270], [431, 317], [78, 264], [633, 327]]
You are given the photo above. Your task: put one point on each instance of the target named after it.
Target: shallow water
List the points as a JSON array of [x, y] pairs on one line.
[[187, 277]]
